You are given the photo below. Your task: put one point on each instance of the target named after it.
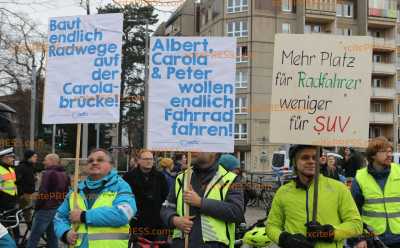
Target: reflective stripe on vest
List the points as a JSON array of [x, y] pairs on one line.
[[381, 209], [212, 229], [8, 178], [107, 237]]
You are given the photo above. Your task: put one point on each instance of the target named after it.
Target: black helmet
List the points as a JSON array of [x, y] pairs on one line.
[[294, 149]]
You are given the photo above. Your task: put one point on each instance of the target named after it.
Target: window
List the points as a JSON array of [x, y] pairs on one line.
[[204, 16], [237, 29], [235, 6], [345, 9], [312, 28], [375, 33], [377, 58], [339, 9], [285, 27], [377, 107], [241, 105], [383, 8], [287, 5], [377, 83], [375, 132], [344, 31], [348, 9], [398, 111], [241, 54], [240, 131], [241, 78]]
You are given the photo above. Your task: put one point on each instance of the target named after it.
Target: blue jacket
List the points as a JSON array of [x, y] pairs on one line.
[[123, 209], [169, 177], [380, 177]]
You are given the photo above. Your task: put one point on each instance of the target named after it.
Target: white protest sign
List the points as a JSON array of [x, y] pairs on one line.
[[83, 69], [321, 88], [191, 94]]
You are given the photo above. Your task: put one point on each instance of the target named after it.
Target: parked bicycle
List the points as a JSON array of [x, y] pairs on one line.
[[13, 219]]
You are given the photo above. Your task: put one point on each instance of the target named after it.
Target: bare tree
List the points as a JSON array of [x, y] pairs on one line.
[[21, 46]]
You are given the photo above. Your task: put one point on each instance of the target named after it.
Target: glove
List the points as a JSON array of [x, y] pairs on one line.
[[287, 240], [322, 233]]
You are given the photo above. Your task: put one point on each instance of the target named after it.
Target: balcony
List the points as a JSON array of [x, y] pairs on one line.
[[383, 18], [319, 11], [381, 117], [383, 69], [383, 44], [383, 93]]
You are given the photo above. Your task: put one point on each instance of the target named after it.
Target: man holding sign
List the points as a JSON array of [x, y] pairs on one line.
[[289, 221], [215, 205], [105, 207]]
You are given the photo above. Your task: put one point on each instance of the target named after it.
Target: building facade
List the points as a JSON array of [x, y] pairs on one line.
[[255, 22]]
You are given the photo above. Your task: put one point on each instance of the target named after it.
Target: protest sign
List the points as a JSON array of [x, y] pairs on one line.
[[321, 89], [83, 69], [191, 94]]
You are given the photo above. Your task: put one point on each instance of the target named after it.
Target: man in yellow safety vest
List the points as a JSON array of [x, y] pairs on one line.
[[216, 204], [105, 207], [8, 188], [376, 191]]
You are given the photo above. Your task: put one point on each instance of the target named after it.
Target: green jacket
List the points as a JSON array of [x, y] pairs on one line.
[[290, 211]]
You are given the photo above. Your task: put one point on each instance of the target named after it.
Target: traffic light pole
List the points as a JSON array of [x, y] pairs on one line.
[[53, 139]]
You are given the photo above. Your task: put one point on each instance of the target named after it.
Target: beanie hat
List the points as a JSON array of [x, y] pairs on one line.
[[229, 162], [167, 163], [28, 154]]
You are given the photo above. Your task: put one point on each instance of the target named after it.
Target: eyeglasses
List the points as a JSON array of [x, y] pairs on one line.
[[383, 151], [99, 160]]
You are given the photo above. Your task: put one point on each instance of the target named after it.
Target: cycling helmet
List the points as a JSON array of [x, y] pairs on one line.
[[257, 237]]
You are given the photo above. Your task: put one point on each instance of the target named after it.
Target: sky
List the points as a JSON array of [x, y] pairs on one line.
[[54, 8]]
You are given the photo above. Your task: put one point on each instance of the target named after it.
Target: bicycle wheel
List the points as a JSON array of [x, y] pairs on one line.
[[266, 200]]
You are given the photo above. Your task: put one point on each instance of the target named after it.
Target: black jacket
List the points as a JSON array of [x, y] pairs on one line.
[[350, 166], [150, 192], [25, 178]]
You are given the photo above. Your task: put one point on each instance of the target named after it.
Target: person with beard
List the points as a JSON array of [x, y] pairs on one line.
[[215, 205], [377, 195], [289, 221], [25, 172], [150, 189]]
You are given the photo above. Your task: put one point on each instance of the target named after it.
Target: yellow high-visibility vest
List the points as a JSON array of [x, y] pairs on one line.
[[381, 209], [7, 181], [101, 237], [213, 230]]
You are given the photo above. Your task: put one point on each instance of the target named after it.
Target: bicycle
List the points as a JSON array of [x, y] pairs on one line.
[[262, 193], [136, 241], [12, 219]]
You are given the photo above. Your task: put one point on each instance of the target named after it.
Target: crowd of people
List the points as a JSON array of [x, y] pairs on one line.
[[150, 201]]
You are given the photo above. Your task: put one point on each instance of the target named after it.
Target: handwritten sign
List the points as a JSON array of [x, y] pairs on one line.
[[322, 89]]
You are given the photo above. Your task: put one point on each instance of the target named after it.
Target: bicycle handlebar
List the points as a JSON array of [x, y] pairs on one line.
[[17, 217]]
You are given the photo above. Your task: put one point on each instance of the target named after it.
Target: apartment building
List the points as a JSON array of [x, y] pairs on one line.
[[255, 22]]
